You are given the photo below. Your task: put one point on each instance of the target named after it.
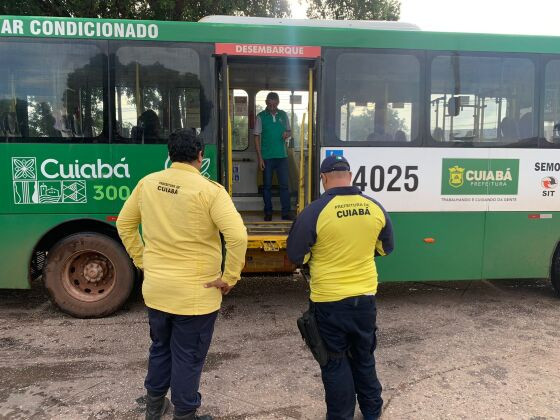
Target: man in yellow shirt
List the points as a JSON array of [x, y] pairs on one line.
[[338, 235], [182, 215]]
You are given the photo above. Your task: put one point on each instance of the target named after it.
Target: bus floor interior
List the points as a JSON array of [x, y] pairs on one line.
[[250, 80]]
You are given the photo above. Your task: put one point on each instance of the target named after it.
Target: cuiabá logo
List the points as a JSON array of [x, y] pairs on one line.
[[479, 176]]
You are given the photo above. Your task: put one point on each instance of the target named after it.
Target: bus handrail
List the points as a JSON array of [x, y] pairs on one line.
[[301, 185], [309, 135]]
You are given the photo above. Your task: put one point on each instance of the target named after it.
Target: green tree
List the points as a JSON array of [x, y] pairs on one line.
[[190, 10], [41, 120], [354, 9], [361, 126]]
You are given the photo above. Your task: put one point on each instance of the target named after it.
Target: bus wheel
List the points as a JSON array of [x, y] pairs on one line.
[[555, 272], [88, 275]]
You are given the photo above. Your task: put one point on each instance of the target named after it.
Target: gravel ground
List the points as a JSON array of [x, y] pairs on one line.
[[459, 350]]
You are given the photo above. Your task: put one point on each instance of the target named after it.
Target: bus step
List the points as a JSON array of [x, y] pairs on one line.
[[271, 246], [268, 228], [267, 243]]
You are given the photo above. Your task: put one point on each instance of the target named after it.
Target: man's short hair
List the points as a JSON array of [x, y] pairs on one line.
[[272, 96], [184, 145]]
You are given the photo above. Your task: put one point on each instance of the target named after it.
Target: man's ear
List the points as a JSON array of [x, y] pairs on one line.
[[200, 157]]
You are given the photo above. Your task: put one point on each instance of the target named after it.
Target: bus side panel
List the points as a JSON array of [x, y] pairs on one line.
[[520, 244], [454, 254], [20, 235], [522, 229]]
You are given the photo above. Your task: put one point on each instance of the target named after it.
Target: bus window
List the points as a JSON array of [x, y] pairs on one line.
[[377, 97], [239, 109], [51, 91], [157, 91], [482, 99], [552, 102]]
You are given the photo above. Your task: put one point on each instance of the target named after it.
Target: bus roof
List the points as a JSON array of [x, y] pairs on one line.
[[313, 23], [266, 33]]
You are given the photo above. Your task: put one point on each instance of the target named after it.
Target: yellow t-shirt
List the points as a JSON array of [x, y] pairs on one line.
[[182, 214]]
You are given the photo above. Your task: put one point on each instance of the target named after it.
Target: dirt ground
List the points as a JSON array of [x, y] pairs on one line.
[[461, 350]]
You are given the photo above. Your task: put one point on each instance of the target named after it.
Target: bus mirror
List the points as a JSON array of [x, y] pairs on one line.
[[454, 106]]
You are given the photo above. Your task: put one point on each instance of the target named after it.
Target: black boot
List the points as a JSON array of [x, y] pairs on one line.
[[156, 406], [191, 416]]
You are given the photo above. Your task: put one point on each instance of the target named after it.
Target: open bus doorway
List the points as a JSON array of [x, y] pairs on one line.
[[248, 178], [245, 83]]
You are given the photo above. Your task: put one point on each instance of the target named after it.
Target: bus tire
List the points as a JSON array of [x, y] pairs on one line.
[[555, 272], [88, 275]]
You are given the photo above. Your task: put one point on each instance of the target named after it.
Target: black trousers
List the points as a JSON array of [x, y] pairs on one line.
[[177, 354], [348, 326]]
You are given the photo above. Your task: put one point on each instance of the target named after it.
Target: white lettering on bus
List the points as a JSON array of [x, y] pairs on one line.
[[89, 166], [47, 27], [61, 28], [70, 173], [130, 31], [124, 167], [13, 27], [72, 29], [119, 30], [87, 170], [88, 29], [489, 175], [35, 27], [141, 31], [107, 29], [44, 168], [6, 27], [269, 49], [153, 31]]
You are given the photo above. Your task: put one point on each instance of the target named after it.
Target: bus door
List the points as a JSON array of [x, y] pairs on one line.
[[247, 73], [225, 134]]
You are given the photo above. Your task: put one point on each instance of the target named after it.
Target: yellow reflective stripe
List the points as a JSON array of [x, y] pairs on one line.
[[379, 248]]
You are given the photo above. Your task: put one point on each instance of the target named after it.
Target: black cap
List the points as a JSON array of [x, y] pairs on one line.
[[334, 163]]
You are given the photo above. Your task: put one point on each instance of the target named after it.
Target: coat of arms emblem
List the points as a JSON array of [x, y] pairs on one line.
[[456, 176]]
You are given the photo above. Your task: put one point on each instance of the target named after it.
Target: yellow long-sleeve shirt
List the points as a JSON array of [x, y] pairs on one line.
[[182, 214]]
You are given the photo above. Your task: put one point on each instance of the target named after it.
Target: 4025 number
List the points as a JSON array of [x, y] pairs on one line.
[[393, 178], [111, 192]]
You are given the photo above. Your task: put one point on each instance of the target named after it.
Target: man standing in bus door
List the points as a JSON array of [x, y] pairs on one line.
[[338, 235], [272, 130], [182, 215]]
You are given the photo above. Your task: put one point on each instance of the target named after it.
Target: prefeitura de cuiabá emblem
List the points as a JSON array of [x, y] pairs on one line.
[[456, 176]]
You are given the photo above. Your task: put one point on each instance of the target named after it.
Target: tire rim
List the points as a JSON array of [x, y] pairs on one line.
[[88, 275]]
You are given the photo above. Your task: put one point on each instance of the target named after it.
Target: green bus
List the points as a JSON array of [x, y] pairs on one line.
[[458, 136]]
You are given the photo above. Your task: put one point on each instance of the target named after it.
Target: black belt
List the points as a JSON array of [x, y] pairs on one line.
[[355, 300]]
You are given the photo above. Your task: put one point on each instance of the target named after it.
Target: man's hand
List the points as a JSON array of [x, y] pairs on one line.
[[261, 164], [220, 284], [286, 135]]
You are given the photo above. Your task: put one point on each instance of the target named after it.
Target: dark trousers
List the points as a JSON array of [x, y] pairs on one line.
[[279, 165], [179, 347], [348, 326]]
